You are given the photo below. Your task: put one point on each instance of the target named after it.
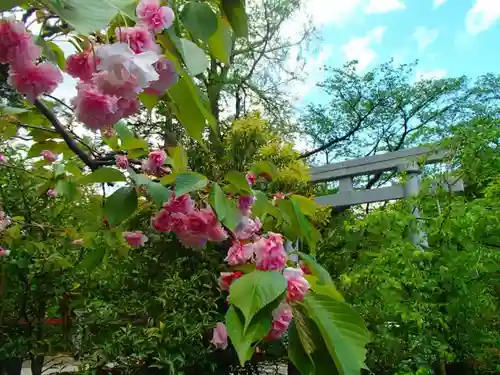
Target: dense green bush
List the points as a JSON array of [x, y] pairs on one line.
[[436, 308]]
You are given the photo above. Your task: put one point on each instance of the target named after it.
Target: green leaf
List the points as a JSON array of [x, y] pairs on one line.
[[112, 142], [220, 44], [120, 205], [7, 129], [254, 291], [308, 231], [327, 289], [159, 193], [66, 188], [342, 329], [238, 180], [297, 353], [241, 338], [8, 4], [199, 19], [306, 205], [102, 175], [188, 182], [179, 159], [195, 58], [218, 201], [316, 269], [310, 360], [186, 108], [149, 101], [36, 148], [93, 259], [123, 131], [237, 17], [134, 144], [82, 15], [233, 215], [264, 167], [58, 169], [262, 206], [52, 52]]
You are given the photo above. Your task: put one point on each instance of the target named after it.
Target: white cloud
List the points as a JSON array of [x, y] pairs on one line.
[[438, 3], [482, 16], [360, 48], [384, 6], [435, 74], [425, 37]]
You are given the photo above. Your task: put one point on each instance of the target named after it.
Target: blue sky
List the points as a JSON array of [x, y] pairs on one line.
[[449, 37]]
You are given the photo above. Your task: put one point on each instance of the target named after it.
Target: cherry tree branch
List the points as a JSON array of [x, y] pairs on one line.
[[47, 112]]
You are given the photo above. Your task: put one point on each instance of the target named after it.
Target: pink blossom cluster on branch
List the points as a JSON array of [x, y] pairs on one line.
[[110, 76], [194, 227], [267, 252], [19, 51]]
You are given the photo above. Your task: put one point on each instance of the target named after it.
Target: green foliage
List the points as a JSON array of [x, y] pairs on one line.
[[435, 307]]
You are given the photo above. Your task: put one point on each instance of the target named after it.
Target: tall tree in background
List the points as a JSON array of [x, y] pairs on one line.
[[385, 109]]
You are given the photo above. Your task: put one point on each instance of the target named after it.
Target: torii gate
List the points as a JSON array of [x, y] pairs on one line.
[[408, 161]]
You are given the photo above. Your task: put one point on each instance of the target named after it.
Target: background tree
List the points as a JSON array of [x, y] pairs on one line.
[[386, 110]]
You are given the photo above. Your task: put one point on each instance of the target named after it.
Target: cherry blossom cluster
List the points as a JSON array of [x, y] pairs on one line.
[[111, 77], [194, 227], [19, 51]]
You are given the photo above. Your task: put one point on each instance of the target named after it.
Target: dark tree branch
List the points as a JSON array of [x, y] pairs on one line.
[[47, 112]]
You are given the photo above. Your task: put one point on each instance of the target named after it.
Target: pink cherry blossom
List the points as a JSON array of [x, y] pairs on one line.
[[282, 317], [135, 239], [168, 76], [279, 196], [165, 221], [245, 204], [219, 339], [3, 158], [16, 44], [138, 38], [128, 107], [215, 231], [157, 158], [121, 161], [77, 242], [239, 253], [270, 253], [227, 278], [119, 59], [247, 228], [82, 65], [95, 109], [52, 192], [34, 80], [298, 286], [123, 86], [48, 156], [182, 204], [153, 16], [251, 178], [305, 269], [4, 252]]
